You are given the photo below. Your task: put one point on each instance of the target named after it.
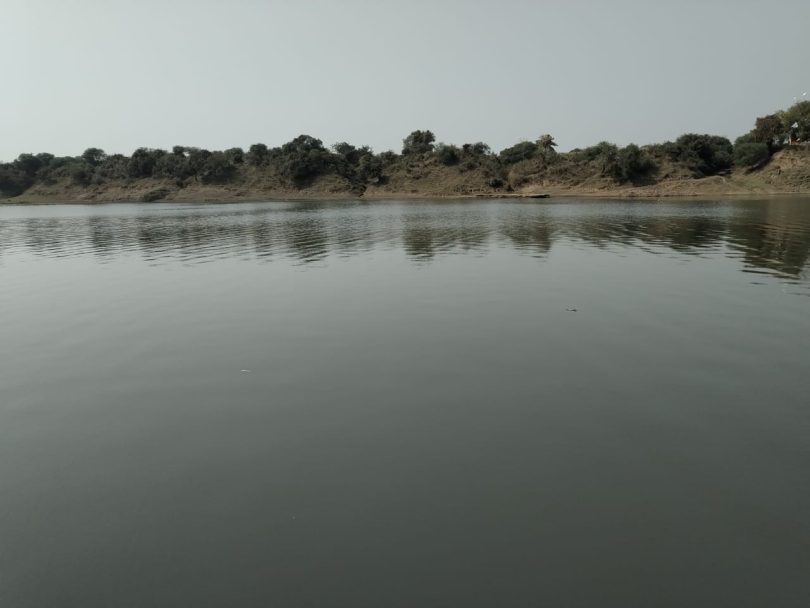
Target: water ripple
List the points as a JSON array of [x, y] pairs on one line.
[[770, 237]]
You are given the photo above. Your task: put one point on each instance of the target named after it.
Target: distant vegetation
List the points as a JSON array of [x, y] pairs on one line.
[[304, 159]]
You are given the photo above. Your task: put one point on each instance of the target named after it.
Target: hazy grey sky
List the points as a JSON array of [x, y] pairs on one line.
[[119, 75]]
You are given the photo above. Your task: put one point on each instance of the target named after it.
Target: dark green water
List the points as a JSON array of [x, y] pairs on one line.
[[424, 423]]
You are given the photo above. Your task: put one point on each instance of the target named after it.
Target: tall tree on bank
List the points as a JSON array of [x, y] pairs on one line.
[[418, 142]]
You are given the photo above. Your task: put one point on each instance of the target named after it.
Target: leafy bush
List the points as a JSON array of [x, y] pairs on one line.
[[217, 169], [370, 168], [304, 158], [749, 154], [172, 165], [633, 164], [28, 164], [195, 160], [45, 159], [235, 156], [142, 162], [349, 153], [604, 154], [389, 157], [13, 181], [604, 151], [81, 173], [704, 154], [521, 151], [448, 154], [479, 148]]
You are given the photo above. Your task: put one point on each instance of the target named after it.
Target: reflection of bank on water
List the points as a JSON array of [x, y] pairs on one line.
[[771, 236]]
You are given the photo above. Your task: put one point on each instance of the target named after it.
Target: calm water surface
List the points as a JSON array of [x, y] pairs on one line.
[[392, 404]]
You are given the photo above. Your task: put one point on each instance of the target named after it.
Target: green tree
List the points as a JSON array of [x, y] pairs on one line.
[[115, 166], [13, 181], [142, 162], [304, 158], [45, 159], [235, 156], [257, 155], [195, 160], [797, 120], [370, 168], [172, 165], [349, 153], [546, 144], [770, 131], [93, 156], [418, 142], [704, 154], [216, 169], [606, 154], [28, 164]]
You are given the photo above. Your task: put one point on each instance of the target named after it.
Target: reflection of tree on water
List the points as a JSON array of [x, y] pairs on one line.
[[679, 233], [773, 236], [423, 236], [50, 237], [263, 236], [103, 238], [683, 234], [355, 232], [192, 236], [306, 238], [534, 234]]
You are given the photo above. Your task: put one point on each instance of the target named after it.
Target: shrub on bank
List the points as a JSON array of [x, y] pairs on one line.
[[520, 151], [704, 154], [750, 154], [13, 181], [633, 164], [448, 154]]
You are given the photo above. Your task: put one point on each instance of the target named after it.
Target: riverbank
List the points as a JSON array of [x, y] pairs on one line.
[[208, 195], [787, 173]]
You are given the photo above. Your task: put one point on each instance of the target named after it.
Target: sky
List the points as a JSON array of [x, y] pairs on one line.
[[120, 74]]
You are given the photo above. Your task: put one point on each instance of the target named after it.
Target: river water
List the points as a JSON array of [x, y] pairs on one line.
[[417, 404]]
